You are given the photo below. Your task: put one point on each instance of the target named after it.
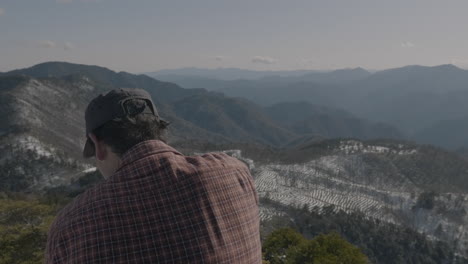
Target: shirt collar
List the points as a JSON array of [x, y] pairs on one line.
[[144, 149]]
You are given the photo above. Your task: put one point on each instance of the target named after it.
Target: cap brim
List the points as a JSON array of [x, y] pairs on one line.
[[88, 150]]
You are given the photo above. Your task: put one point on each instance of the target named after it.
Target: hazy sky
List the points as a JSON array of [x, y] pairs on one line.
[[148, 35]]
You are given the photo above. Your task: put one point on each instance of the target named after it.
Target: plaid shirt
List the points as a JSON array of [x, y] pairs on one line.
[[162, 207]]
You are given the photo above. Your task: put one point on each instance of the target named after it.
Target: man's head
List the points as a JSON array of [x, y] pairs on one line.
[[115, 122]]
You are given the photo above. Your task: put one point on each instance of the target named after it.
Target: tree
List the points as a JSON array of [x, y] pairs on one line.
[[278, 243], [426, 200], [288, 246]]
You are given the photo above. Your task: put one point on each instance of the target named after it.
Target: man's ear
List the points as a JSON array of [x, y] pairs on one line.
[[100, 149]]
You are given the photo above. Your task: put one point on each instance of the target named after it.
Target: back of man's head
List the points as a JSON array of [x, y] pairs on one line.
[[121, 119]]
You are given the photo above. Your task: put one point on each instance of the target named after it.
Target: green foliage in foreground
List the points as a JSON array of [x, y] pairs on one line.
[[288, 246], [25, 220], [381, 242], [23, 230]]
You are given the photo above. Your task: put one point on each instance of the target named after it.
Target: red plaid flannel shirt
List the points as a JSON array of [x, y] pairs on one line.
[[162, 207]]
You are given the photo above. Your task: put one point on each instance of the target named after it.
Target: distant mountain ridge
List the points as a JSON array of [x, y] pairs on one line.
[[449, 133], [225, 73], [305, 118], [42, 111], [440, 78], [330, 77], [233, 118], [166, 91], [208, 79], [422, 187], [166, 95], [411, 98]]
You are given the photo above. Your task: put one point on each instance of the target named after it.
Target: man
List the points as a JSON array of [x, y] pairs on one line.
[[155, 205]]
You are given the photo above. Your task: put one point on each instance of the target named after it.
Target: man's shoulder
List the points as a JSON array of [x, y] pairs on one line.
[[139, 155], [217, 159], [75, 210]]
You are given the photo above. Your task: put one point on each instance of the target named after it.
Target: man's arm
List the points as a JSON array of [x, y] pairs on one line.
[[55, 248]]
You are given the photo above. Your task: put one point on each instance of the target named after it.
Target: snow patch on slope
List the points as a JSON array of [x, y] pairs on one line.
[[353, 146], [35, 145], [330, 180]]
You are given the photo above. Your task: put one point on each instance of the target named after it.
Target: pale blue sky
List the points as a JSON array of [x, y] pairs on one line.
[[149, 35]]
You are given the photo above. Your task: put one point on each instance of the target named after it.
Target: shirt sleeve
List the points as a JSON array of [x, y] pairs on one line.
[[55, 249]]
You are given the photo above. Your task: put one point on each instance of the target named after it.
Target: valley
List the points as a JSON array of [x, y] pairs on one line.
[[325, 160]]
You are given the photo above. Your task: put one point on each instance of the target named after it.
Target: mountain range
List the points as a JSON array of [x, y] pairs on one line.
[[42, 112], [301, 154], [224, 73], [207, 78], [173, 100], [414, 99]]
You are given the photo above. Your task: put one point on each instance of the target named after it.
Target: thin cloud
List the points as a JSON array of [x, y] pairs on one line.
[[306, 61], [47, 44], [63, 1], [407, 44], [2, 11], [68, 46], [263, 60], [220, 58]]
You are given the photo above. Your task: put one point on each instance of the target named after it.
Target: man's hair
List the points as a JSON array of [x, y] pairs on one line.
[[123, 133]]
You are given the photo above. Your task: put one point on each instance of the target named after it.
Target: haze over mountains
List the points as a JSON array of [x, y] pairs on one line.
[[42, 111], [297, 145], [414, 99], [226, 74], [42, 108], [176, 102], [42, 115], [208, 79]]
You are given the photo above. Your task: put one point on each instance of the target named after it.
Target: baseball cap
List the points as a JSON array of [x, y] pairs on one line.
[[113, 105]]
